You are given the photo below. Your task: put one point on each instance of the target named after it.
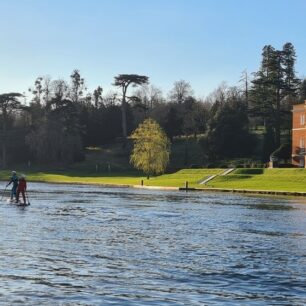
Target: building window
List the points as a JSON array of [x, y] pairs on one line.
[[302, 119]]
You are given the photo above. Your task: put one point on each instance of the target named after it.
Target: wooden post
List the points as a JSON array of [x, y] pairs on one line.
[[186, 185], [141, 183]]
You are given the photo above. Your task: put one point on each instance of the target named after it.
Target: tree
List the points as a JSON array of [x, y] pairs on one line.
[[274, 87], [124, 81], [245, 81], [8, 103], [228, 134], [180, 91], [41, 90], [150, 96], [77, 86], [173, 121], [291, 82], [97, 95], [151, 148], [302, 91], [57, 137]]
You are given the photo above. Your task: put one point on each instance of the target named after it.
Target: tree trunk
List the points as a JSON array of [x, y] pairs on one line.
[[278, 121], [186, 151], [4, 139], [123, 112]]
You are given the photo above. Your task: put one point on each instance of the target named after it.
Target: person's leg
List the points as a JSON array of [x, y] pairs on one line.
[[12, 193], [23, 196], [15, 192], [17, 196]]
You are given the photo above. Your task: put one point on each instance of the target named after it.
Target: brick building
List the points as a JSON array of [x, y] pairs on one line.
[[299, 135]]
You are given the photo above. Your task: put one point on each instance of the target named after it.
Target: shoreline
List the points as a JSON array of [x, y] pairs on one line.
[[169, 188]]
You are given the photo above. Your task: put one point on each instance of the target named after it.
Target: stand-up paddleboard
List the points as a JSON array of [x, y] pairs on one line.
[[17, 204]]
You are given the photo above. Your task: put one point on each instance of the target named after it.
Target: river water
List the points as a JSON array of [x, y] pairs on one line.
[[89, 245]]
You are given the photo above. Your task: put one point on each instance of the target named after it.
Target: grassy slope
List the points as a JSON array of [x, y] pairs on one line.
[[179, 178], [110, 165], [120, 172], [260, 179], [122, 178], [263, 179]]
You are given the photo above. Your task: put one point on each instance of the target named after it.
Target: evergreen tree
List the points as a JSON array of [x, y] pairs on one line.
[[302, 91], [228, 134], [124, 81], [274, 87]]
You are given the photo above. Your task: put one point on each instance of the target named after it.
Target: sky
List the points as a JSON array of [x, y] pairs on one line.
[[204, 42]]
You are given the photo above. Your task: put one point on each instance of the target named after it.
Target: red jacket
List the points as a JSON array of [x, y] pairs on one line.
[[22, 184]]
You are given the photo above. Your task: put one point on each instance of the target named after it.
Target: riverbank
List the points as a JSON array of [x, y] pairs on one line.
[[252, 180]]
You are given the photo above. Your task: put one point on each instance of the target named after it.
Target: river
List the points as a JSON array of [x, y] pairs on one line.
[[90, 245]]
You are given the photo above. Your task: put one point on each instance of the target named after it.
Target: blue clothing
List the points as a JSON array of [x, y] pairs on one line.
[[14, 180], [14, 192]]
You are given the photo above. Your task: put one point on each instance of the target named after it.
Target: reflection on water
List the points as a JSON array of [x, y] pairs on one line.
[[267, 206], [88, 245]]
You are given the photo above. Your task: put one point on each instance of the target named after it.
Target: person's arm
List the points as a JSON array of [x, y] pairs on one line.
[[9, 183]]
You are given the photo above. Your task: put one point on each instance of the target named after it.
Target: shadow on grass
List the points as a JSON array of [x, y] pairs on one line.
[[250, 171], [96, 174]]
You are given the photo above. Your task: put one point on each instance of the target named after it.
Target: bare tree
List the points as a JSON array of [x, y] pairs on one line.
[[150, 96], [180, 91]]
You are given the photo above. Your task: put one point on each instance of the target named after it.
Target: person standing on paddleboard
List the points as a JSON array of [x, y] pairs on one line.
[[22, 187], [14, 180]]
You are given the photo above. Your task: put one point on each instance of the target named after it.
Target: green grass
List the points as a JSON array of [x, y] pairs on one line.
[[263, 179], [128, 178], [110, 165], [177, 179], [259, 179]]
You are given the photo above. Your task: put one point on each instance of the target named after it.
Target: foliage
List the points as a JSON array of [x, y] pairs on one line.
[[302, 91], [151, 148], [52, 143], [123, 81], [275, 88], [228, 134], [63, 118], [9, 103], [283, 152]]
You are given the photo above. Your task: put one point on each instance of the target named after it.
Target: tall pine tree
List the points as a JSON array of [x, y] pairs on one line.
[[274, 89]]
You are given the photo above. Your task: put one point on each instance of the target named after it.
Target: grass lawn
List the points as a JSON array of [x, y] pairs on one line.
[[179, 178], [259, 179], [292, 179], [121, 178], [127, 178]]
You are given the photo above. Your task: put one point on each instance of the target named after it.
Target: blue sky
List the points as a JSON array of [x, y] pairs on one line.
[[204, 42]]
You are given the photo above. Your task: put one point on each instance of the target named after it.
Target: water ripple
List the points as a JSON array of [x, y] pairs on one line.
[[88, 245]]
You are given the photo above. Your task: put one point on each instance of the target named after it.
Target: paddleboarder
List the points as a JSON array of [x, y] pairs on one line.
[[22, 187], [14, 180]]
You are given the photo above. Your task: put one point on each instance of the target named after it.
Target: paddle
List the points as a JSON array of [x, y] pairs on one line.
[[3, 193], [27, 197]]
